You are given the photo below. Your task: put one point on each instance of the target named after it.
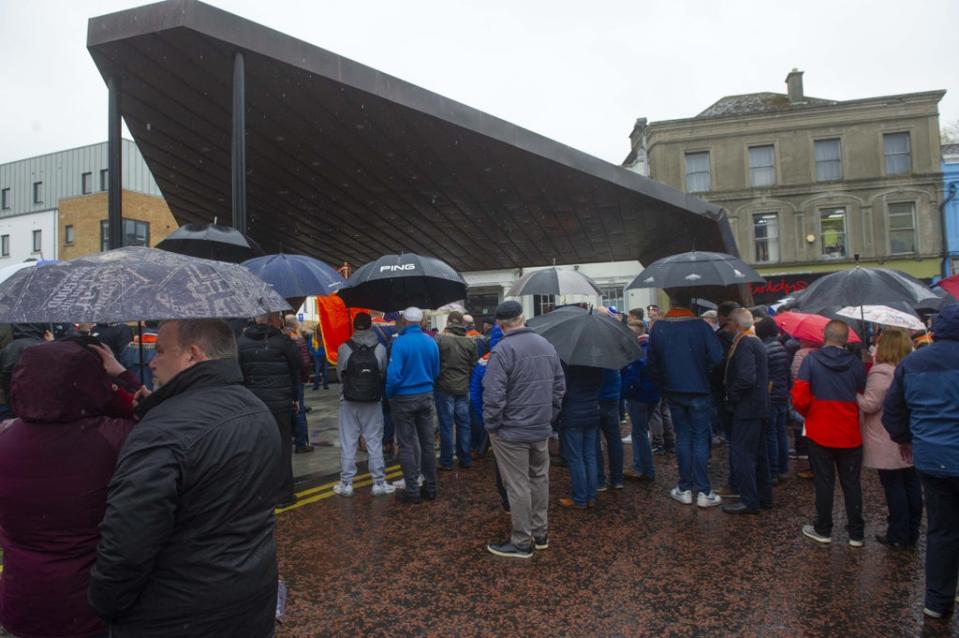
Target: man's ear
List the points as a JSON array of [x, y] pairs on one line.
[[197, 354]]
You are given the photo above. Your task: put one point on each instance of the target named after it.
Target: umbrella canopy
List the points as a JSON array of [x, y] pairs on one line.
[[394, 282], [950, 285], [8, 271], [695, 269], [294, 276], [807, 327], [587, 337], [553, 281], [135, 283], [863, 287], [211, 241], [883, 315]]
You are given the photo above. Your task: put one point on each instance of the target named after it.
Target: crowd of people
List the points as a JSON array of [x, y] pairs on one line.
[[147, 509]]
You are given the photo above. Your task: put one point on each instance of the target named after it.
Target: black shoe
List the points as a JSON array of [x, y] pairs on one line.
[[427, 496], [405, 497], [739, 508], [308, 409], [289, 503], [303, 449], [885, 540], [541, 542], [444, 468], [505, 506], [508, 550]]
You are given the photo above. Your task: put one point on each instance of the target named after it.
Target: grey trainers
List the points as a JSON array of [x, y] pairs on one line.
[[508, 550], [810, 532], [343, 489], [541, 542]]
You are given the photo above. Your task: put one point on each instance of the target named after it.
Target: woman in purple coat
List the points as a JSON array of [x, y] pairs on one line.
[[56, 460]]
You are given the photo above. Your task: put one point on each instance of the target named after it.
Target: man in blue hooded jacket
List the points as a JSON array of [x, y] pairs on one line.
[[921, 414]]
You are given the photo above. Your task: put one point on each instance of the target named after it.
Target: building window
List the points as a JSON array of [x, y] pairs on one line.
[[543, 304], [898, 153], [5, 199], [4, 245], [828, 160], [832, 232], [766, 237], [86, 183], [68, 234], [762, 166], [104, 179], [135, 233], [38, 192], [37, 241], [902, 228], [697, 172], [613, 296]]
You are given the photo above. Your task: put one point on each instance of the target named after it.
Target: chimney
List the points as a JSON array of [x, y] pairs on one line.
[[794, 87]]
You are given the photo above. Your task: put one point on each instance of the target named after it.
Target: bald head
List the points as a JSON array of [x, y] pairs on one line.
[[836, 333]]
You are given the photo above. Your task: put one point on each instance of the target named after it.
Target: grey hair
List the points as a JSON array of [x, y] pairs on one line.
[[213, 337], [743, 318], [512, 323], [836, 331]]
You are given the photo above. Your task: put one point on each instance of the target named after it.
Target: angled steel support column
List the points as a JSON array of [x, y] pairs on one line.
[[238, 154], [114, 167]]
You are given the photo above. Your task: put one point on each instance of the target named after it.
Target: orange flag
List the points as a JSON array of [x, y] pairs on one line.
[[336, 323]]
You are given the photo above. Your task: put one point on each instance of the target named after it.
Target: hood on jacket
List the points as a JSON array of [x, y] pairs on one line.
[[494, 336], [261, 331], [837, 359], [29, 330], [946, 324], [59, 382], [365, 337], [456, 329]]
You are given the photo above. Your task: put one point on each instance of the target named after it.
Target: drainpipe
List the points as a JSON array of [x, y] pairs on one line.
[[943, 266]]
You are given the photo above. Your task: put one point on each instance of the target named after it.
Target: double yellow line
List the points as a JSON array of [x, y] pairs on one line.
[[320, 492]]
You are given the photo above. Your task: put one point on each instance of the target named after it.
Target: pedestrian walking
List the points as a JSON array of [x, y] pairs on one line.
[[320, 366], [682, 351], [458, 355], [271, 370], [747, 399], [186, 545], [361, 369], [413, 366], [921, 414], [522, 395], [56, 460], [897, 475], [825, 394]]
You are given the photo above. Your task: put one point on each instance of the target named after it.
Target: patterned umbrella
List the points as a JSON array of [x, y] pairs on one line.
[[135, 283], [553, 281], [883, 315], [696, 269]]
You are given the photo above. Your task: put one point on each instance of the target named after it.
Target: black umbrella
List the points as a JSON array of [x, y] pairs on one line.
[[135, 283], [861, 286], [696, 269], [587, 337], [553, 281], [395, 282], [295, 276], [211, 241]]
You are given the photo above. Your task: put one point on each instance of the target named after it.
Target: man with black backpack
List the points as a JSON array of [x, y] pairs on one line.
[[360, 366]]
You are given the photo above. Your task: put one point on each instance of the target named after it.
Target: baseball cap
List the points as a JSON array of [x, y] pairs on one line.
[[413, 314], [509, 310]]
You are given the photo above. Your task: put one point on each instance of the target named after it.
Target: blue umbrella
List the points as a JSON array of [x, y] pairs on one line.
[[294, 276]]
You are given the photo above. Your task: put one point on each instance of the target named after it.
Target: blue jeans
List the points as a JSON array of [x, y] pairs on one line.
[[319, 370], [579, 447], [642, 450], [692, 422], [453, 409], [609, 427], [301, 433], [777, 444]]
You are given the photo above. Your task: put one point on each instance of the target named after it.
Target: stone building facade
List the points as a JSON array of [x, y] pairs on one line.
[[810, 183]]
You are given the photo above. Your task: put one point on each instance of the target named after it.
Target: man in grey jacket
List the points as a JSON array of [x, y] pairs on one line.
[[361, 411], [522, 394]]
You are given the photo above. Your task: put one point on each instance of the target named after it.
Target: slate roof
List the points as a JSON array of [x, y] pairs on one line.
[[759, 103]]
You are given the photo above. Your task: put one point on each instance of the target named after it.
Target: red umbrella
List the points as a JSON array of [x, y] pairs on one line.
[[950, 285], [807, 327]]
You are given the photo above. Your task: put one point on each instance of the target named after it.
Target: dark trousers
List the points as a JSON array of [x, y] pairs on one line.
[[942, 540], [825, 463], [751, 463], [413, 420], [284, 421], [609, 430], [904, 499], [320, 372]]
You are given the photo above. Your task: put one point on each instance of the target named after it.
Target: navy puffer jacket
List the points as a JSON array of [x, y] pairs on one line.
[[779, 360], [581, 402]]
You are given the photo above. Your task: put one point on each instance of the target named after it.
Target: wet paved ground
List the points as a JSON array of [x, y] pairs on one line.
[[639, 565]]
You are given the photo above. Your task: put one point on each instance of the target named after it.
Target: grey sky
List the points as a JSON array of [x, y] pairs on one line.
[[578, 72]]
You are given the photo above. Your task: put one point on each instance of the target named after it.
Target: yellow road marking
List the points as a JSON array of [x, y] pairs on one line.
[[315, 494]]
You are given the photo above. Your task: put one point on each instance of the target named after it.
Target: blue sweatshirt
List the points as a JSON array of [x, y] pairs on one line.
[[414, 363]]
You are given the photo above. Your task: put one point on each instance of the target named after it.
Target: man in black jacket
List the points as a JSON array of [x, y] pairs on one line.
[[25, 335], [186, 544], [747, 396], [271, 370]]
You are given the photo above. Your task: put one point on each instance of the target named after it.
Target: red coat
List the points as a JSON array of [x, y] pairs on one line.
[[55, 463]]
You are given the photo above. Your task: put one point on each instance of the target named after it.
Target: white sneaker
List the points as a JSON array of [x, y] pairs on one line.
[[810, 532], [709, 500], [420, 480], [628, 439], [380, 489], [343, 489], [683, 496], [399, 484], [856, 542]]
